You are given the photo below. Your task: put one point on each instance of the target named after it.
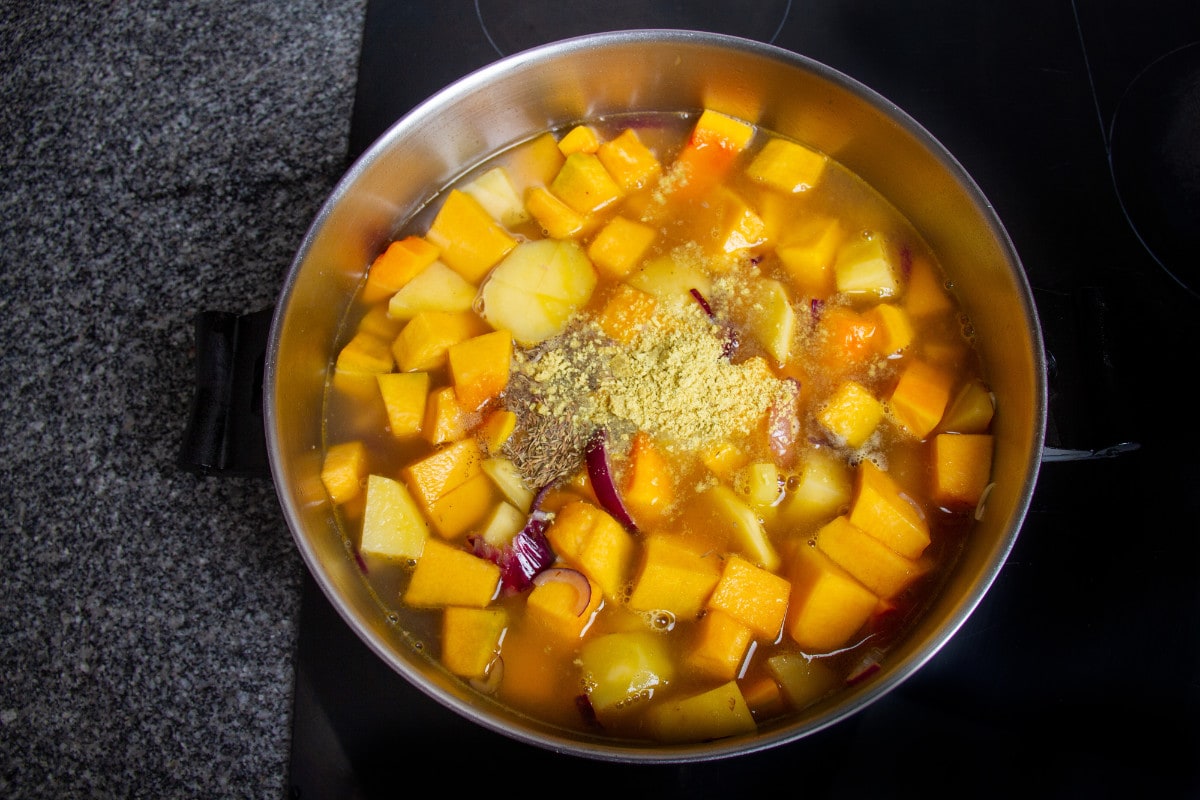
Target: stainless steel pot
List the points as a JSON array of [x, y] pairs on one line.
[[650, 70]]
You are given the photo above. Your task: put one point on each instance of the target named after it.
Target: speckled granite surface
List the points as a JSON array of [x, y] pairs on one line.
[[159, 158]]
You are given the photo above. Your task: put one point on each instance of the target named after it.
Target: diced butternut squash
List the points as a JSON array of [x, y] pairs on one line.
[[882, 508], [470, 240], [464, 508], [764, 697], [649, 485], [962, 468], [585, 185], [864, 267], [803, 680], [632, 164], [724, 459], [621, 668], [556, 607], [876, 566], [735, 520], [471, 639], [716, 141], [720, 645], [626, 313], [756, 597], [397, 265], [558, 220], [344, 469], [496, 429], [673, 576], [618, 247], [920, 397], [807, 251], [828, 605], [539, 159], [393, 526], [479, 367], [843, 340], [494, 191], [592, 541], [823, 486], [404, 396], [787, 166], [435, 288], [376, 322], [447, 575], [442, 470], [851, 414], [713, 714], [422, 343], [580, 139], [365, 354], [970, 411], [893, 329], [445, 418], [925, 294]]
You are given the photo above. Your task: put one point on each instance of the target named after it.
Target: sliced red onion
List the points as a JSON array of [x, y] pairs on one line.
[[600, 472], [730, 335], [573, 578], [526, 555], [703, 303]]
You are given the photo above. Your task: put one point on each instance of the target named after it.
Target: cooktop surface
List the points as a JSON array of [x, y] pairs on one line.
[[1078, 674]]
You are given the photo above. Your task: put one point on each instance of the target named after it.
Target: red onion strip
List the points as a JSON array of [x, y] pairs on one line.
[[600, 473]]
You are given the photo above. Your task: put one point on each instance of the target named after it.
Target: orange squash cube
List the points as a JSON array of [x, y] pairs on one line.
[[720, 645], [893, 329], [962, 467], [471, 639], [920, 397], [554, 606], [631, 163], [881, 508], [876, 566], [480, 366], [365, 354], [442, 470], [715, 142], [422, 343], [344, 469], [756, 597], [787, 166], [807, 250], [626, 313], [925, 293], [558, 220], [585, 185], [673, 576], [539, 159], [580, 139], [852, 414], [764, 697], [404, 396], [376, 322], [970, 411], [445, 418], [649, 486], [464, 508], [396, 266], [496, 429], [828, 605], [471, 242], [450, 576], [619, 246], [592, 541]]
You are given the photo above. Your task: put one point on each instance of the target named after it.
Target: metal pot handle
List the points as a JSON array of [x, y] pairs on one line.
[[225, 432]]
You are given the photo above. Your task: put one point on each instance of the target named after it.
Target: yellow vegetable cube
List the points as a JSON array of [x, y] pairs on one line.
[[737, 226], [422, 343], [649, 485], [496, 429], [714, 714], [396, 266], [807, 251], [772, 319], [508, 480], [404, 396], [558, 220], [852, 414], [728, 515], [864, 267], [365, 354], [449, 576], [442, 470], [881, 508], [377, 323], [393, 526], [471, 639], [632, 165], [445, 418], [626, 313], [539, 159], [920, 397], [760, 483], [479, 367], [925, 294], [502, 524], [970, 411], [620, 245], [720, 645], [787, 166], [893, 328], [585, 185], [495, 192], [436, 288], [589, 539], [344, 469], [804, 681], [824, 485], [620, 668], [673, 576], [876, 566], [464, 508], [756, 597], [962, 467], [580, 139], [555, 606], [471, 242], [827, 606], [764, 697]]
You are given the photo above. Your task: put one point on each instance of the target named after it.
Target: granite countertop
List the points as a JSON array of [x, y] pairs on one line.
[[160, 159]]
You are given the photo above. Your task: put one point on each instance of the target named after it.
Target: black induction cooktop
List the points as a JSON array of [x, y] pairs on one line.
[[1079, 674]]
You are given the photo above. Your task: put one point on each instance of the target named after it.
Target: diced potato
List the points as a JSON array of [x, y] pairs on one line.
[[730, 514], [619, 246], [864, 267], [480, 366], [445, 418], [772, 319], [876, 566], [585, 185], [673, 576], [804, 681], [422, 343], [760, 483], [787, 166], [589, 539], [827, 606], [883, 509], [756, 597], [714, 714], [893, 329], [852, 414], [495, 192], [824, 486], [404, 396], [962, 467], [671, 280], [365, 354], [632, 165], [508, 480], [554, 606], [470, 240], [449, 576], [536, 289], [970, 411], [807, 251], [344, 469], [393, 526], [720, 645], [505, 522], [471, 639], [620, 668], [580, 139], [649, 486], [920, 397], [436, 288], [399, 263]]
